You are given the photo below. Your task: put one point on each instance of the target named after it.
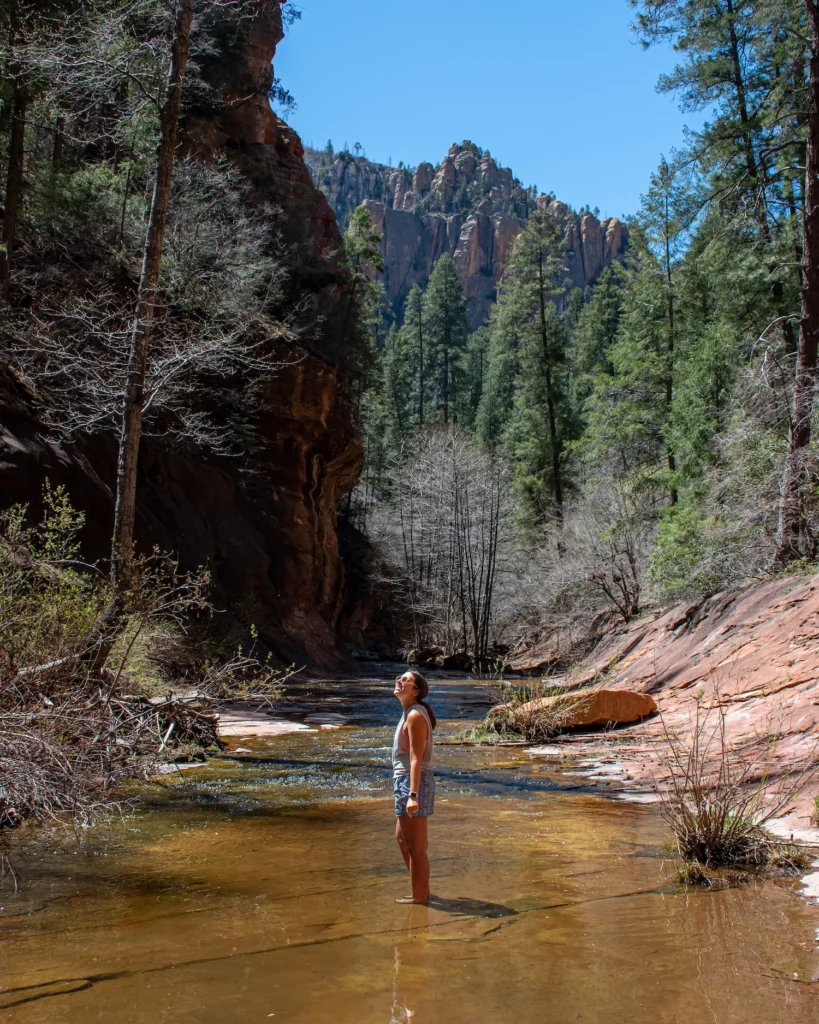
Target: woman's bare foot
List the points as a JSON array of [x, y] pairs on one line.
[[409, 899]]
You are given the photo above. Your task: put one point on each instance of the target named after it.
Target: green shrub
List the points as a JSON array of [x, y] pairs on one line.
[[682, 561], [50, 599]]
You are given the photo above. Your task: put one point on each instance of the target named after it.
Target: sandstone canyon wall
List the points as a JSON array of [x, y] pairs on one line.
[[752, 654], [268, 532], [468, 206]]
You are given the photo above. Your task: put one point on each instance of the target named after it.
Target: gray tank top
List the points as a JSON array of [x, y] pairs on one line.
[[401, 758]]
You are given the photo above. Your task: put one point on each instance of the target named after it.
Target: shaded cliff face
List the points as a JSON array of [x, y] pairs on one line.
[[268, 530], [468, 206]]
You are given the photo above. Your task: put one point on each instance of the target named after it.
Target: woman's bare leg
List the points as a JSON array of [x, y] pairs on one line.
[[414, 833], [402, 843]]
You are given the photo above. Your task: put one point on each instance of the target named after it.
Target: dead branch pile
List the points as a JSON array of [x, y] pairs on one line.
[[66, 740], [173, 719]]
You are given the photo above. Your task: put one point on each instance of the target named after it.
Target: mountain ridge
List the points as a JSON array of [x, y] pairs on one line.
[[467, 205]]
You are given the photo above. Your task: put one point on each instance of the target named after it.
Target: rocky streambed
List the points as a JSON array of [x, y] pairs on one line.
[[261, 886]]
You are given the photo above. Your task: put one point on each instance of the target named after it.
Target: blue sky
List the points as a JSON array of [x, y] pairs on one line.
[[558, 90]]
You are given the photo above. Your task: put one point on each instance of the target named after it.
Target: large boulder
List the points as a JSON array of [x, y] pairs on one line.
[[594, 708], [426, 657]]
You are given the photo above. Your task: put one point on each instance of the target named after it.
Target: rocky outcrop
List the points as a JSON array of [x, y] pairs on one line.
[[347, 181], [468, 206], [268, 530], [591, 244], [238, 122]]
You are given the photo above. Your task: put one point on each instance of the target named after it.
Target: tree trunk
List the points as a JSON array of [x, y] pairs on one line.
[[133, 401], [669, 379], [57, 151], [550, 400], [420, 368], [121, 560], [14, 185], [794, 539], [745, 121], [446, 384]]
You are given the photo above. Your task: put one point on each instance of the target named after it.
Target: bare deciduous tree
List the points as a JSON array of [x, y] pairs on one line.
[[444, 536], [215, 341]]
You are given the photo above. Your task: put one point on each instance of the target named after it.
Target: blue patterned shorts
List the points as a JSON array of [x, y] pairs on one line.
[[426, 795]]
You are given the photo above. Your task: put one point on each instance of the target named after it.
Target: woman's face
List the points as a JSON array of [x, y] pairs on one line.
[[405, 686]]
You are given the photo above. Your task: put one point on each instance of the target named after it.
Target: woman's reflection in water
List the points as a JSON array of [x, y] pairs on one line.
[[411, 955]]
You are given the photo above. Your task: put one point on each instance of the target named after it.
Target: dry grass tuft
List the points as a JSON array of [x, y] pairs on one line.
[[791, 859], [719, 796], [481, 734], [691, 872]]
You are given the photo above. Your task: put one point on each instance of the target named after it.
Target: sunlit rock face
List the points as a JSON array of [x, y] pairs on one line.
[[468, 206], [591, 244], [267, 529]]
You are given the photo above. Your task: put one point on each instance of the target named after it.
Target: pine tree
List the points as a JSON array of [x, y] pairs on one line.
[[415, 343], [596, 329], [795, 538], [29, 29], [542, 421], [361, 260], [399, 386], [501, 374], [720, 40], [476, 365], [444, 311], [628, 411], [534, 282]]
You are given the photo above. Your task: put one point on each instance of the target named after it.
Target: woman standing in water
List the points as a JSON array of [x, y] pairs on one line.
[[413, 780]]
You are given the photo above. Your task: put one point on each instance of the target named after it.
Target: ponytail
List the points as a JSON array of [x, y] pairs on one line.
[[422, 686]]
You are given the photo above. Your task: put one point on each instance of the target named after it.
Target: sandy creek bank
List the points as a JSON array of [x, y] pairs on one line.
[[261, 887]]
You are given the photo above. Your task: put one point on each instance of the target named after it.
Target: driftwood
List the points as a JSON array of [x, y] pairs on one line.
[[176, 719]]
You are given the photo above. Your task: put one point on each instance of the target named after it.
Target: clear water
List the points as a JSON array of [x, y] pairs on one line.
[[262, 888]]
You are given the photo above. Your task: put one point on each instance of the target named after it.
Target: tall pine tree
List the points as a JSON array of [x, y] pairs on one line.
[[444, 311]]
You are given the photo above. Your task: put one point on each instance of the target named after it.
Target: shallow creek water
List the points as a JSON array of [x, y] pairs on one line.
[[262, 888]]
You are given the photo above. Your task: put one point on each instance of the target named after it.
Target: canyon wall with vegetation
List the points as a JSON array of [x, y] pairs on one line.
[[263, 519]]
